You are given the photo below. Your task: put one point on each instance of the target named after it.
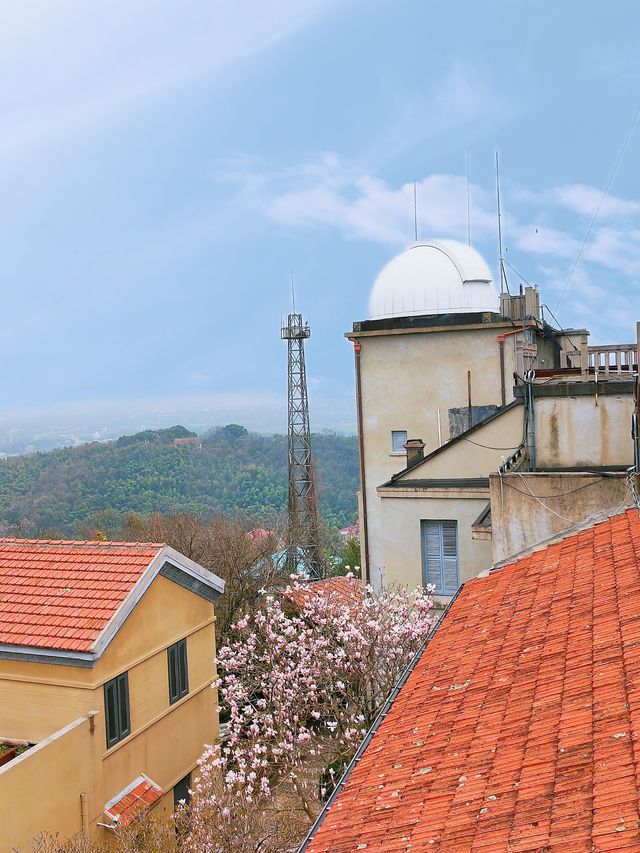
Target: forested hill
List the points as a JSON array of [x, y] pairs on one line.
[[229, 469]]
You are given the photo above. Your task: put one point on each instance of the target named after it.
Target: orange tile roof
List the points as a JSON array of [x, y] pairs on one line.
[[519, 728], [345, 590], [60, 595], [140, 794]]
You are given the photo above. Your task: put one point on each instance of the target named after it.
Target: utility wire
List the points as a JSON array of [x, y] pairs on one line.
[[614, 170], [489, 447], [563, 517], [529, 493], [560, 327], [518, 273]]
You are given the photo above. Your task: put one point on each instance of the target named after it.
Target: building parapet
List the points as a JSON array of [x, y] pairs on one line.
[[64, 763]]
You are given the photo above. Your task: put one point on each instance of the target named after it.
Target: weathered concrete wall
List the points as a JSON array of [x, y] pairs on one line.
[[530, 508], [459, 420], [574, 431]]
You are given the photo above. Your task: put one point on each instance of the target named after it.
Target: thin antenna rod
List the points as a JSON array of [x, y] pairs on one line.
[[468, 202], [503, 276], [415, 212], [293, 293]]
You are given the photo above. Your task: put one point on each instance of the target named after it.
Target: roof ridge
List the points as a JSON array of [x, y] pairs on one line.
[[81, 543], [461, 436]]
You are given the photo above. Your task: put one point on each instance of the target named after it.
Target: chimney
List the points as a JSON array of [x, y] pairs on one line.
[[415, 450]]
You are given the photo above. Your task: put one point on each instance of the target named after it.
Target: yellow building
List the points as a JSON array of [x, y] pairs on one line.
[[107, 656]]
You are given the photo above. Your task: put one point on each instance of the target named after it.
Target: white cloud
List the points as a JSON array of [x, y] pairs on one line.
[[542, 240], [544, 229], [585, 200], [578, 198], [590, 302], [66, 65], [332, 193]]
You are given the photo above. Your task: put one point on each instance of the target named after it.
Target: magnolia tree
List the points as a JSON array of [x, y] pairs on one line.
[[302, 679]]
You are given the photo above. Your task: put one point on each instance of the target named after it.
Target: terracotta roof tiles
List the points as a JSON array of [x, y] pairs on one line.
[[519, 728], [61, 594], [142, 793], [346, 590]]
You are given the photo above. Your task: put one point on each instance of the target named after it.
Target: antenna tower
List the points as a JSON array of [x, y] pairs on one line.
[[303, 545], [504, 284]]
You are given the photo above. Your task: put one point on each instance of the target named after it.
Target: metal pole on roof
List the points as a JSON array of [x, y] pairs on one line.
[[503, 275], [415, 212], [468, 201]]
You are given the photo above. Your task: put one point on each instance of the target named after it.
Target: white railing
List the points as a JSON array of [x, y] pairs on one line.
[[608, 359]]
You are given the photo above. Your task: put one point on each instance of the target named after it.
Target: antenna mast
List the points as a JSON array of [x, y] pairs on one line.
[[468, 202], [503, 274], [303, 533], [415, 212]]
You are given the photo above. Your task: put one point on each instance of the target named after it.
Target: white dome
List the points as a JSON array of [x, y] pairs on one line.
[[439, 277]]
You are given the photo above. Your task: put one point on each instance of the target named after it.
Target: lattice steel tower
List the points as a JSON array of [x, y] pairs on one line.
[[303, 545]]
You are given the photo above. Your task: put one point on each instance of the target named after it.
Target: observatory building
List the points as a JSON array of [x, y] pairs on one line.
[[465, 394]]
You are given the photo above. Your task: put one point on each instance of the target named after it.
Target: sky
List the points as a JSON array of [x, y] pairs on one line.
[[165, 165]]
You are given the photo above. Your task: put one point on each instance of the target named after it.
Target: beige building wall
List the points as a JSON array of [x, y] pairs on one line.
[[527, 509], [475, 456], [40, 790], [406, 377], [166, 740], [563, 425], [402, 541]]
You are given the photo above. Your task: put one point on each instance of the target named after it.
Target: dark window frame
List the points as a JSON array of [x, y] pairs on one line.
[[116, 709], [182, 791], [178, 671]]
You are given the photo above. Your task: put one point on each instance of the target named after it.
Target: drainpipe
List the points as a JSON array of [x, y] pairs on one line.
[[531, 432], [501, 337], [84, 817], [363, 480]]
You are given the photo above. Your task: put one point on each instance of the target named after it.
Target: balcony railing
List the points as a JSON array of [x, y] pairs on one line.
[[611, 359]]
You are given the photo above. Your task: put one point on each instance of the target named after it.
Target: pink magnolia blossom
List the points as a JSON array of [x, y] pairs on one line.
[[300, 681]]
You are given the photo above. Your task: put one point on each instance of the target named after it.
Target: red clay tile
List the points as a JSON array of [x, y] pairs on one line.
[[60, 595], [519, 728], [141, 793]]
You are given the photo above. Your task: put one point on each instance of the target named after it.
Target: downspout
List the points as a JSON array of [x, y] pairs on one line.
[[84, 817], [363, 479], [531, 434], [503, 390]]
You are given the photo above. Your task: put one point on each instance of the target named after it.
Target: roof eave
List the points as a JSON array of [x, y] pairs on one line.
[[170, 564], [175, 567]]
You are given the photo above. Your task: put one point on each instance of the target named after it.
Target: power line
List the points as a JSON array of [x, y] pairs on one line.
[[612, 175], [518, 273], [489, 447]]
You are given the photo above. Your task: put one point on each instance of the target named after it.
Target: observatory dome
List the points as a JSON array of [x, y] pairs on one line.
[[438, 277]]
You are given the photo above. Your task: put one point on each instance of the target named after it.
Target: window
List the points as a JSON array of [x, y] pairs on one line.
[[440, 555], [116, 704], [178, 671], [181, 792], [398, 440]]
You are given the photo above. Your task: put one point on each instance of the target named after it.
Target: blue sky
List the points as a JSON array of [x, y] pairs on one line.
[[164, 165]]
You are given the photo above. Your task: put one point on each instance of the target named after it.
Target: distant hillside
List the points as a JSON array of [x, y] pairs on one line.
[[230, 469]]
